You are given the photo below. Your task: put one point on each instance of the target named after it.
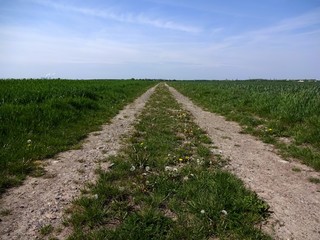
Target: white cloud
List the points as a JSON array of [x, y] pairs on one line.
[[30, 45], [110, 13], [290, 26]]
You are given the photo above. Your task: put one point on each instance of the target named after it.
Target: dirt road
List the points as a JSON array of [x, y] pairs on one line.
[[42, 201]]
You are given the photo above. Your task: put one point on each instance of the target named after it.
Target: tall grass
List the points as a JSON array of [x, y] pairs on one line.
[[39, 118], [270, 109]]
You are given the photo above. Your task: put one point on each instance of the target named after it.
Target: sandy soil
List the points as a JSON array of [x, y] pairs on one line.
[[293, 199], [42, 201]]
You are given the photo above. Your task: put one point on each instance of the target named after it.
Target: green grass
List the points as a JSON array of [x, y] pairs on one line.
[[283, 113], [39, 118], [296, 169], [314, 180], [166, 184], [46, 230]]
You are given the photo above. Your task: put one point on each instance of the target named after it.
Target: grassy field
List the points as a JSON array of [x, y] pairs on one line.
[[283, 113], [40, 118], [167, 184]]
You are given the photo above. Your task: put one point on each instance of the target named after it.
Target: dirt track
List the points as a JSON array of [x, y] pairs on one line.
[[41, 201]]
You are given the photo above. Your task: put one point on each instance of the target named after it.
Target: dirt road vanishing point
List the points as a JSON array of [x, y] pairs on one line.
[[293, 199]]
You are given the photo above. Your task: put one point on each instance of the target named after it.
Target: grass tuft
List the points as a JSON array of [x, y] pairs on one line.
[[314, 180], [46, 230]]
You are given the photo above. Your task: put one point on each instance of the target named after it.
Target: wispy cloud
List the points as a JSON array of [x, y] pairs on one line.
[[111, 14], [297, 23], [285, 30]]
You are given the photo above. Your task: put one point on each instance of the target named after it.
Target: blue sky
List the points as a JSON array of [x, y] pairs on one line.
[[172, 39]]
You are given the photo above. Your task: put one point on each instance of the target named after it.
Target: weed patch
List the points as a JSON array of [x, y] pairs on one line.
[[314, 180], [46, 230]]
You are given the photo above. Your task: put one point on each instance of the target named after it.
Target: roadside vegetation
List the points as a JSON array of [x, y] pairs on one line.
[[284, 113], [167, 183], [39, 118]]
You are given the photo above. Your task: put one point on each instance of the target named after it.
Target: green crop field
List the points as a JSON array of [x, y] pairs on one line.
[[284, 113], [39, 118]]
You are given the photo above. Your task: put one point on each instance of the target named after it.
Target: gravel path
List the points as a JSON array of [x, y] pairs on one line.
[[42, 201], [293, 199]]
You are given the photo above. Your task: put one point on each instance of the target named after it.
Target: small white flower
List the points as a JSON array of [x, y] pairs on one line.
[[132, 168], [170, 169], [224, 212], [202, 211], [186, 178], [29, 141], [147, 168]]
